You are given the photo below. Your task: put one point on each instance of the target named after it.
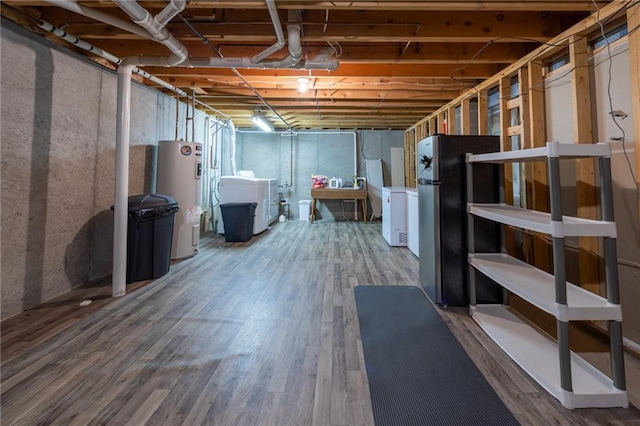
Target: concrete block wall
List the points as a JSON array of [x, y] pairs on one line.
[[270, 155], [58, 114]]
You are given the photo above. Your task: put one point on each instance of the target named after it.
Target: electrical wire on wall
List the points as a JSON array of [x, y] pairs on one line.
[[564, 42], [612, 113], [559, 79]]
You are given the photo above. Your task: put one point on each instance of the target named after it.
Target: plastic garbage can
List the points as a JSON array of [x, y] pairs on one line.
[[305, 209], [238, 221], [150, 231]]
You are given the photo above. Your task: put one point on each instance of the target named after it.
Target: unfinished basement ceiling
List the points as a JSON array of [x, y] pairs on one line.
[[398, 60]]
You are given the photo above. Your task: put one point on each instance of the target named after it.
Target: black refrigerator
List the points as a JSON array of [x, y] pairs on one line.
[[442, 212]]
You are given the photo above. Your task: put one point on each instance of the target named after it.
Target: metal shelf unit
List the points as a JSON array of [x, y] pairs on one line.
[[569, 378]]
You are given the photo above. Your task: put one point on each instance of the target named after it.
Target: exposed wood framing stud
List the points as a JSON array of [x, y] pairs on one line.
[[539, 199], [451, 121], [585, 169], [505, 145], [465, 117], [483, 123]]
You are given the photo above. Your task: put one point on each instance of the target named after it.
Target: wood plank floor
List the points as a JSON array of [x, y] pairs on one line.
[[257, 333]]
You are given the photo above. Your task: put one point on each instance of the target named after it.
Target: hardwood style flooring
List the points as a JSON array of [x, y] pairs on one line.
[[256, 333]]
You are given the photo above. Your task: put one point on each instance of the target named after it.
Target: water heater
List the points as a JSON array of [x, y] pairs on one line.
[[180, 176]]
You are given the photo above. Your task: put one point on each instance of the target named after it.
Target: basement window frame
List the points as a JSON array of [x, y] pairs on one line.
[[611, 37], [493, 111], [557, 62]]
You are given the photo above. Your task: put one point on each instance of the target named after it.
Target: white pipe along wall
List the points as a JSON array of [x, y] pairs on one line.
[[72, 6], [123, 121], [104, 54], [280, 42]]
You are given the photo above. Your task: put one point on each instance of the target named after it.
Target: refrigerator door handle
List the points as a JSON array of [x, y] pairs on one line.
[[427, 182]]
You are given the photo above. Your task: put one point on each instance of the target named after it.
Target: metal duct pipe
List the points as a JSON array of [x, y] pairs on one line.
[[74, 7], [319, 62], [295, 45], [169, 12], [142, 17], [273, 12], [322, 61]]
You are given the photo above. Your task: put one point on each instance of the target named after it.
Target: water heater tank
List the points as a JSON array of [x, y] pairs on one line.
[[180, 176]]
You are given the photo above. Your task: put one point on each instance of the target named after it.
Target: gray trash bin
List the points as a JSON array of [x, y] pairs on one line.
[[149, 236]]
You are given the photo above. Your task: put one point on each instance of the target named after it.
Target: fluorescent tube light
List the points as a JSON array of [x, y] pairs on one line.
[[263, 123]]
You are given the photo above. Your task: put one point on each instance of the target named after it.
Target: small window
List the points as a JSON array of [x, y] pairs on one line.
[[515, 88], [558, 62], [610, 37], [493, 111]]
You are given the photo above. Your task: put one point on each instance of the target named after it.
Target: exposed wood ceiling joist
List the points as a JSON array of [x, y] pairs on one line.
[[398, 60]]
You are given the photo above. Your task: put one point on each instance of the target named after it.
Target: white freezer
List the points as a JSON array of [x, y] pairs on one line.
[[413, 235], [394, 215]]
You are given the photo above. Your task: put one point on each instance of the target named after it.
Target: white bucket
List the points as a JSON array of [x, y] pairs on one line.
[[305, 209]]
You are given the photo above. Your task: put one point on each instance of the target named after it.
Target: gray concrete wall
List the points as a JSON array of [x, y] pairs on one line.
[[270, 155], [58, 114]]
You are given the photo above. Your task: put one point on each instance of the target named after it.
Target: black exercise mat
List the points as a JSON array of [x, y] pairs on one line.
[[419, 374]]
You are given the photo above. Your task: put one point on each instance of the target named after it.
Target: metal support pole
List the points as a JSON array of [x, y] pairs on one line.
[[471, 245], [559, 271], [610, 250], [565, 356], [503, 231], [617, 355], [611, 275]]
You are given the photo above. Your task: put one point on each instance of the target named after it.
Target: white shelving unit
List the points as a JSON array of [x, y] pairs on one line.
[[569, 378]]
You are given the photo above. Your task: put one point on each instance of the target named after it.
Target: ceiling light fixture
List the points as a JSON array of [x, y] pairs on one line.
[[303, 84], [264, 124]]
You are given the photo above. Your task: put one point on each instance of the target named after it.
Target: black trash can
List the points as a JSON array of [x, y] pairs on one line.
[[150, 231], [238, 221]]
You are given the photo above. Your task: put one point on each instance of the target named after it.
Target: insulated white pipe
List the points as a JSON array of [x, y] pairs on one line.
[[275, 19], [320, 62], [169, 12], [143, 18], [139, 14], [295, 45], [77, 42], [104, 54], [72, 6], [121, 204]]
